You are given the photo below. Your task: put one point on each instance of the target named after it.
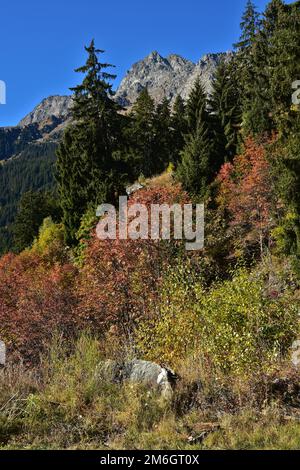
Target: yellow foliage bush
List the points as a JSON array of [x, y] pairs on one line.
[[50, 241], [234, 324]]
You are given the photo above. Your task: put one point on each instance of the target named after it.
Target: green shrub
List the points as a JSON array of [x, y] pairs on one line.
[[234, 323]]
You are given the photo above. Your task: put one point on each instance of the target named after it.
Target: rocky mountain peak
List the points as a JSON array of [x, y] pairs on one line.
[[54, 107], [166, 77], [178, 62], [154, 56], [162, 76]]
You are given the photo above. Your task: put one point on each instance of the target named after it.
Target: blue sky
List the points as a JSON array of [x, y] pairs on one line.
[[42, 42]]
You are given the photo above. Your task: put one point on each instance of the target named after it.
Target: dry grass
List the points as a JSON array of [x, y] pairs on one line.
[[165, 180], [64, 405]]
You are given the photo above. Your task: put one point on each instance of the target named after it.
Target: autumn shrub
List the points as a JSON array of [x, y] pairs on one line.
[[114, 286], [247, 195], [233, 324], [85, 234], [36, 299], [171, 334], [118, 282], [50, 242]]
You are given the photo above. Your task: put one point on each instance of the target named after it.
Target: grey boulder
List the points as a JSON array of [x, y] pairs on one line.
[[296, 353], [2, 354], [149, 374]]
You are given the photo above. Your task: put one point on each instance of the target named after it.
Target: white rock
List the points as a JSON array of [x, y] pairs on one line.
[[296, 353], [146, 373], [2, 353]]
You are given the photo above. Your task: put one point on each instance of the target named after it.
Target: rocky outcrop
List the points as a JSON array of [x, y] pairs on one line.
[[44, 124], [145, 373], [166, 77], [53, 109]]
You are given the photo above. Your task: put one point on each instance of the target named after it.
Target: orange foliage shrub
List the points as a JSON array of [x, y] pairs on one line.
[[246, 193], [119, 281], [116, 286], [35, 300]]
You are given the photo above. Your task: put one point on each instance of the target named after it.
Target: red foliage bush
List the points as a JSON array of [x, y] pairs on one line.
[[35, 300], [116, 286], [119, 281], [246, 192]]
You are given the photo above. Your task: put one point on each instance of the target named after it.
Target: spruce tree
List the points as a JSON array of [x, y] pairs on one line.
[[287, 168], [249, 26], [141, 134], [178, 129], [196, 105], [225, 109], [254, 85], [284, 53], [195, 169], [271, 17], [162, 136], [85, 163], [260, 109]]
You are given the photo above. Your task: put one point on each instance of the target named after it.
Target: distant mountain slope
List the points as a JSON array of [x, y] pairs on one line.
[[33, 169], [44, 124]]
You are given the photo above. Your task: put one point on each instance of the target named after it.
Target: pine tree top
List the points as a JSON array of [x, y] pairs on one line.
[[93, 96]]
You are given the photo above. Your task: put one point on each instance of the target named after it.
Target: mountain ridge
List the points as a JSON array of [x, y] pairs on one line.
[[163, 76], [167, 76]]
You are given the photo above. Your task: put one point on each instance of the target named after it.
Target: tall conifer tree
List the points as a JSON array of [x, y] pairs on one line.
[[195, 169], [284, 53], [85, 164], [178, 129], [225, 109], [162, 136], [141, 134], [249, 78]]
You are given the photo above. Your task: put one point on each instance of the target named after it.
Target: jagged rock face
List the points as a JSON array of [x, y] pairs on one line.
[[166, 77], [54, 107], [163, 77], [204, 69]]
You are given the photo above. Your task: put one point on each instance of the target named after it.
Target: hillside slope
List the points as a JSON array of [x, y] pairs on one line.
[[27, 151]]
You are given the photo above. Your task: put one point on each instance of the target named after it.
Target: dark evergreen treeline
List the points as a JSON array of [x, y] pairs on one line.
[[14, 140], [33, 170]]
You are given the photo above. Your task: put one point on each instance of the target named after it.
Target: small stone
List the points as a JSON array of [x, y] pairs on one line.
[[296, 353], [2, 353], [134, 188]]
